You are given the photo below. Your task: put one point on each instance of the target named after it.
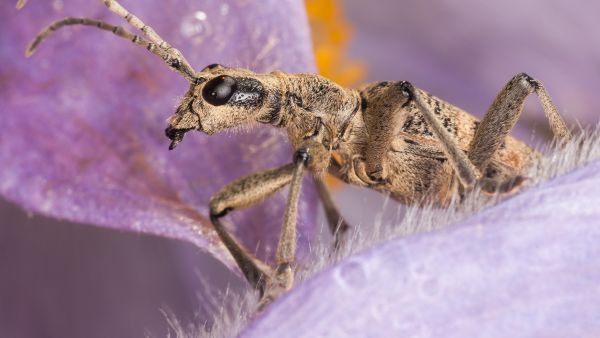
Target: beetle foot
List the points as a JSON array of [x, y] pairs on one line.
[[372, 179], [507, 187], [279, 283]]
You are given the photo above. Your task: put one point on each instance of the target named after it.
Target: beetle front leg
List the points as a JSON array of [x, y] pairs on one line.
[[242, 193], [283, 275], [313, 156]]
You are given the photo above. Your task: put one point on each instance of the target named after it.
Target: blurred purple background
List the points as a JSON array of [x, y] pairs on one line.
[[60, 279], [93, 282]]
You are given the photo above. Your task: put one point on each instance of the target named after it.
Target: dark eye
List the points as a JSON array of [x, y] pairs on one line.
[[219, 90]]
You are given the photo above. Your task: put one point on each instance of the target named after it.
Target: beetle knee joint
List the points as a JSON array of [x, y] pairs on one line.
[[302, 156], [217, 208], [407, 90], [527, 81]]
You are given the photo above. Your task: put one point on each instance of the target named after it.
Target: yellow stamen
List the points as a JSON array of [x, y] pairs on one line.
[[331, 34]]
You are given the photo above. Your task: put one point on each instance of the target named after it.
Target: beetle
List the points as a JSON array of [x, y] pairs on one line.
[[389, 136]]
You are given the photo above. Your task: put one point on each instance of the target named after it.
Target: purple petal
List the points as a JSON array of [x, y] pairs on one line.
[[84, 118], [528, 267]]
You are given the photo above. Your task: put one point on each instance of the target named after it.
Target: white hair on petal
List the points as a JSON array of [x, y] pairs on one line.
[[232, 311]]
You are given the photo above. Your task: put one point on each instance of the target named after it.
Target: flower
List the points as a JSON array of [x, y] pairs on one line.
[[463, 53]]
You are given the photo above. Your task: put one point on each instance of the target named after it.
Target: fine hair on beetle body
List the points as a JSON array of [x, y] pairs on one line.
[[389, 136]]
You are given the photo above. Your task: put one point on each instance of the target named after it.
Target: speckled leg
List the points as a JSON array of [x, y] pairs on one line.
[[382, 123], [243, 193], [283, 275], [466, 172], [503, 114], [381, 116]]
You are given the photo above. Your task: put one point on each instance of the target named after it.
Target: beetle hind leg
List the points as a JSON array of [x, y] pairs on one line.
[[497, 181], [503, 115], [495, 126], [507, 187]]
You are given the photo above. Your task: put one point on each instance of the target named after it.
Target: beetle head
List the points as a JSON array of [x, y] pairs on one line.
[[221, 98]]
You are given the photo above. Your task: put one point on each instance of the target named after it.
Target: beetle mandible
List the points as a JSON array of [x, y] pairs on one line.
[[388, 136]]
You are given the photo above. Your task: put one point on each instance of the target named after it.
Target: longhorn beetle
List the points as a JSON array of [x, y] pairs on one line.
[[388, 136]]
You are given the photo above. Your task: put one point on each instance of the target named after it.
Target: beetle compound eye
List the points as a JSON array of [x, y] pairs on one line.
[[219, 90]]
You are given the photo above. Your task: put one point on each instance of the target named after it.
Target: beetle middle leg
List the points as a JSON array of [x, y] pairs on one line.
[[382, 123]]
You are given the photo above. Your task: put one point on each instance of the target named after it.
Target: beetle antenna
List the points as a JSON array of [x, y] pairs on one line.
[[21, 3], [171, 56]]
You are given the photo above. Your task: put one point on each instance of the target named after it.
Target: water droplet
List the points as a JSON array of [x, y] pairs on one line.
[[200, 15], [224, 10], [352, 275], [57, 5], [195, 25]]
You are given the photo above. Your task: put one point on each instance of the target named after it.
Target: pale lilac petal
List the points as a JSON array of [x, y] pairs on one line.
[[528, 267], [83, 120]]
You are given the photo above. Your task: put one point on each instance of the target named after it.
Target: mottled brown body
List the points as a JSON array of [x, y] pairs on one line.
[[343, 120], [416, 167], [389, 136]]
